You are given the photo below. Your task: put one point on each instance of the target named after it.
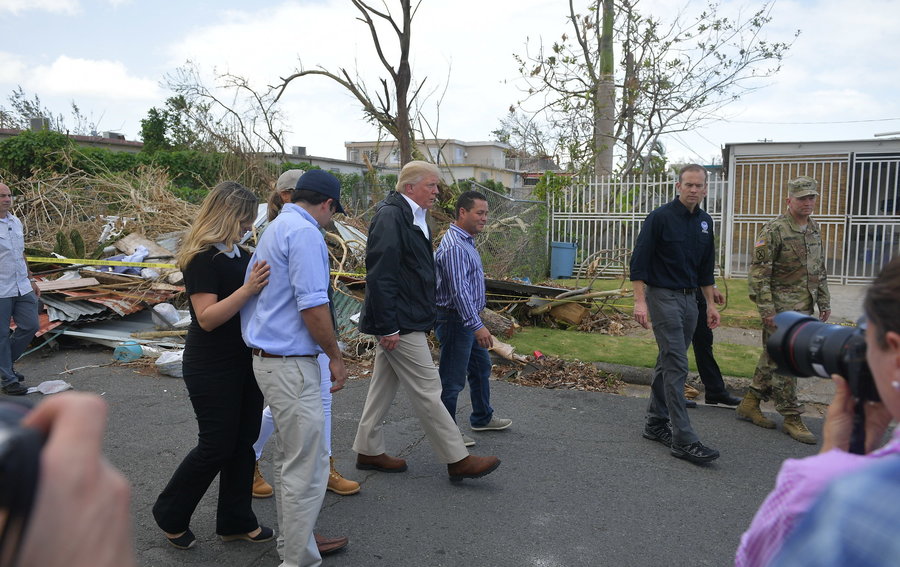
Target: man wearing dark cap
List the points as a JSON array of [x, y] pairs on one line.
[[787, 274], [287, 327]]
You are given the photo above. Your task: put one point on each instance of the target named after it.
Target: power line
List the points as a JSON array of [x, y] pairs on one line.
[[811, 123]]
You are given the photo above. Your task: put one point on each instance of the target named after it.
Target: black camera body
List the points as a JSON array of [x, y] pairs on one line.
[[20, 455], [803, 346]]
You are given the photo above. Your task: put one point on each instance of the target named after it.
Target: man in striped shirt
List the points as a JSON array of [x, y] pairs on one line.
[[460, 298]]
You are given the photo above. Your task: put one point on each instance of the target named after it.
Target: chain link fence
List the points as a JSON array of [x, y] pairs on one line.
[[514, 242]]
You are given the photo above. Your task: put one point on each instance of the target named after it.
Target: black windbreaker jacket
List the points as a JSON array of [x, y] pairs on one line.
[[400, 278]]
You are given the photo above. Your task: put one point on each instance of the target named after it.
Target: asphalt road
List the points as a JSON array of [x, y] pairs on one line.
[[578, 485]]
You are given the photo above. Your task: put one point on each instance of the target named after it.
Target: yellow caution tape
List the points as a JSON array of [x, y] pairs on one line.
[[87, 262]]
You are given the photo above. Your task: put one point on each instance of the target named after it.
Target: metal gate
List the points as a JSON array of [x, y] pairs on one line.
[[603, 216], [858, 211]]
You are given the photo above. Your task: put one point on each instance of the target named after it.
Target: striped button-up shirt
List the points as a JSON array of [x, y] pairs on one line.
[[460, 277]]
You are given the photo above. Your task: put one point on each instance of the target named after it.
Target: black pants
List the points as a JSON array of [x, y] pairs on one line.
[[702, 342], [228, 406]]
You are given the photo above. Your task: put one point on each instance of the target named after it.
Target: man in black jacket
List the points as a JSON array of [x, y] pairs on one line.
[[399, 310]]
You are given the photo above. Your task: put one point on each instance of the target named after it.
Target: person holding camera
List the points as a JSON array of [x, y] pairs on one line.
[[829, 537], [80, 515], [787, 274]]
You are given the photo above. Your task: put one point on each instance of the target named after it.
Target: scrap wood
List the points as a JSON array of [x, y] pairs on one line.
[[541, 309], [506, 351], [56, 285], [88, 296], [556, 373], [110, 277], [571, 313], [130, 243], [158, 334], [497, 324]]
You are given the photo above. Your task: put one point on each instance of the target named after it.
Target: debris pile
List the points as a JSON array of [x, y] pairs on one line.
[[558, 374]]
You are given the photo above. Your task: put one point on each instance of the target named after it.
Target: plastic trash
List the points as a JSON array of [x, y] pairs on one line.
[[165, 316], [128, 351], [169, 363]]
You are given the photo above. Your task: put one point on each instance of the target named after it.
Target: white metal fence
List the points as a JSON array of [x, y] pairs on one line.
[[858, 211], [603, 216]]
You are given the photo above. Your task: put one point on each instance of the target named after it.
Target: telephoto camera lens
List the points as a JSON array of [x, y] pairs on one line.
[[803, 346]]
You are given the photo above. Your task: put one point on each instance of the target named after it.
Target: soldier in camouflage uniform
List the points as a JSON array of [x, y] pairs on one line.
[[787, 274]]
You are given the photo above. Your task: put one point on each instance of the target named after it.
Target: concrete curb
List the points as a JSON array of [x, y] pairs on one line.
[[809, 390]]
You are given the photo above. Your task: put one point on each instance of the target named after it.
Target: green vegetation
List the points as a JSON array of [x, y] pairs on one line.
[[734, 360], [738, 310]]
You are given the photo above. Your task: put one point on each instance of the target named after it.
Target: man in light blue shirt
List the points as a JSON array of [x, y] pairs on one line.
[[287, 325], [18, 297]]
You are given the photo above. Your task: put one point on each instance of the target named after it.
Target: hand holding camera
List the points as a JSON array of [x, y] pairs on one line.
[[81, 513]]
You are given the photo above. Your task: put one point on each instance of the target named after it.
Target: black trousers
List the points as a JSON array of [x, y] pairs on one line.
[[702, 342], [228, 406]]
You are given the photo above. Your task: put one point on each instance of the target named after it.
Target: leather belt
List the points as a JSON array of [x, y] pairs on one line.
[[686, 290], [264, 354]]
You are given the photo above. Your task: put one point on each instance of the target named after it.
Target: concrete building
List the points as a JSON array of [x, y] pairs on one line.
[[480, 161]]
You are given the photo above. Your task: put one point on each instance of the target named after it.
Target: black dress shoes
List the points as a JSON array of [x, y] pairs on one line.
[[724, 398], [688, 403], [695, 452]]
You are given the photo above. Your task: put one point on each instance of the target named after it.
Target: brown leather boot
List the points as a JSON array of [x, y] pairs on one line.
[[749, 409], [261, 488], [339, 484], [472, 467], [795, 427]]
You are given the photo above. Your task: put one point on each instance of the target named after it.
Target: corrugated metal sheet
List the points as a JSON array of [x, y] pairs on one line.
[[60, 310]]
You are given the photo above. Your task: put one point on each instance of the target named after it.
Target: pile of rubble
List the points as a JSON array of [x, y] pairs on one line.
[[558, 374]]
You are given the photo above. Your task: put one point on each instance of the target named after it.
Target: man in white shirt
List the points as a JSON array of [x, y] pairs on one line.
[[18, 297]]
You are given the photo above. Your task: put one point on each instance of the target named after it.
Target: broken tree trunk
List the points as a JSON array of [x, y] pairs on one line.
[[497, 324]]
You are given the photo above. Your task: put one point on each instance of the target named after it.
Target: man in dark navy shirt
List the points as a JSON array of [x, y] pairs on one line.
[[674, 256]]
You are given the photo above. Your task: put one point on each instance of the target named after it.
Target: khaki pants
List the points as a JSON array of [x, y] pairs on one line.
[[409, 365], [291, 388]]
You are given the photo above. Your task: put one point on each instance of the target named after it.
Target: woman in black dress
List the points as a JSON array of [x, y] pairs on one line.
[[218, 373]]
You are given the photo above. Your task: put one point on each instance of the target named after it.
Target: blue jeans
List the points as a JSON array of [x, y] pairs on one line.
[[463, 359], [23, 309]]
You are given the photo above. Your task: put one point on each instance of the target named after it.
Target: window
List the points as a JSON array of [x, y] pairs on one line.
[[372, 155], [395, 156], [460, 155]]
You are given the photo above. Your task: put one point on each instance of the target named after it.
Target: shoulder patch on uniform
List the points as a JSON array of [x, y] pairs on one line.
[[760, 242]]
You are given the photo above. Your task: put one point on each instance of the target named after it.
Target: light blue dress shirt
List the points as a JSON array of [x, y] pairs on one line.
[[297, 256], [13, 270]]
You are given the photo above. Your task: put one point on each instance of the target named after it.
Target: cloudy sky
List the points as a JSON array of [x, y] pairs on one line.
[[840, 80]]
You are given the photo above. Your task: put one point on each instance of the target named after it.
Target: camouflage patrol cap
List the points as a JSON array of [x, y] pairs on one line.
[[802, 186]]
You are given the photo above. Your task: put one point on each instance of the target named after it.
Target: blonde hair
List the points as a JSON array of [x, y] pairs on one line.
[[414, 172], [274, 204], [219, 220]]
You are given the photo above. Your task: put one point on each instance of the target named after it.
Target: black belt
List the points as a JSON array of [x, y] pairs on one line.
[[264, 354], [686, 290]]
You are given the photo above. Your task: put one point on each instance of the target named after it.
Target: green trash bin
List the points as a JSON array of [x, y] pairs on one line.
[[562, 259]]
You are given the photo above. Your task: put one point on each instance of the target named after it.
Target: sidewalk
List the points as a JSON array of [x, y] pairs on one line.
[[846, 308]]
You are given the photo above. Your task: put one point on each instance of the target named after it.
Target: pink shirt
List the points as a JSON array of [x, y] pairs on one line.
[[799, 483]]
